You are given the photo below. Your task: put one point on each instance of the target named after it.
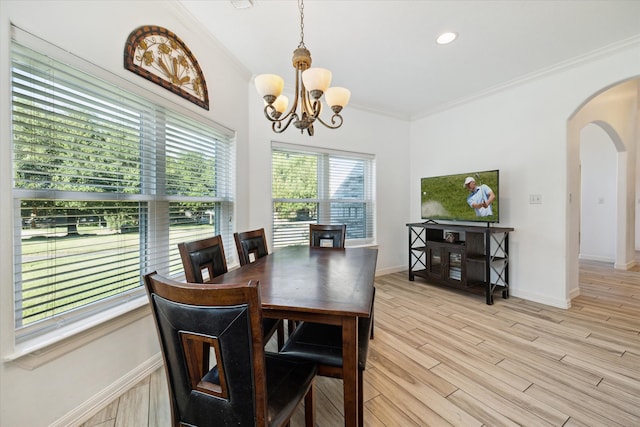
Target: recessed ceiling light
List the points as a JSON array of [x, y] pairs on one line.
[[446, 38]]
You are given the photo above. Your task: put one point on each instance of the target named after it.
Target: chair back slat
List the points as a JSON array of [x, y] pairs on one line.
[[203, 259], [327, 235], [251, 245]]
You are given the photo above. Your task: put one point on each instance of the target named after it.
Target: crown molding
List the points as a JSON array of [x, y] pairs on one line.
[[611, 49]]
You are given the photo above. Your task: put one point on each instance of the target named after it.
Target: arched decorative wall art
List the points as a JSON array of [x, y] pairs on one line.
[[157, 54]]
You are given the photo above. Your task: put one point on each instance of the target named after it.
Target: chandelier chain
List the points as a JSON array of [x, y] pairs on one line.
[[301, 8]]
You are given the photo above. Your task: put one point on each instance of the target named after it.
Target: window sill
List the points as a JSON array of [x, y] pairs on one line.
[[38, 351]]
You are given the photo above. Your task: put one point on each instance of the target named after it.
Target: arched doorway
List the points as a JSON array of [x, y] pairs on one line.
[[615, 110]]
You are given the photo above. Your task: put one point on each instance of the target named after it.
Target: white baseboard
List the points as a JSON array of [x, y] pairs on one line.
[[618, 266], [390, 270], [587, 257], [573, 294], [626, 266], [99, 401], [542, 299]]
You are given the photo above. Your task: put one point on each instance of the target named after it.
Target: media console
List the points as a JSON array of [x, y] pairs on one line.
[[468, 257]]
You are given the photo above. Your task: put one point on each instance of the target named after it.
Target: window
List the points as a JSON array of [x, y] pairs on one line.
[[311, 185], [105, 184]]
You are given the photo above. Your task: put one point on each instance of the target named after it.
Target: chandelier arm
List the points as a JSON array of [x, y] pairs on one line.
[[307, 109], [296, 95], [269, 110], [314, 108], [333, 121], [277, 126]]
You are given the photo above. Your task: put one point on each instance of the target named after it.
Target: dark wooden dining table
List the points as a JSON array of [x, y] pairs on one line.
[[323, 285]]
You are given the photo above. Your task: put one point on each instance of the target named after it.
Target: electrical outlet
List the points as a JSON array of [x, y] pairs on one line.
[[535, 199]]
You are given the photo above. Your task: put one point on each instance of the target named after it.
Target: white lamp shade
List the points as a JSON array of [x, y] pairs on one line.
[[337, 96], [316, 79], [281, 103], [269, 84]]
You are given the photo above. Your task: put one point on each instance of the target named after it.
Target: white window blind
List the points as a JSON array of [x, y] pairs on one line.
[[314, 185], [105, 184]]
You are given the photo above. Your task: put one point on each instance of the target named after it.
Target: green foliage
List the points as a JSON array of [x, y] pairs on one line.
[[294, 177], [76, 153], [73, 152], [191, 173]]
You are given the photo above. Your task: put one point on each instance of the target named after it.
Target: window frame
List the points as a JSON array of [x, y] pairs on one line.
[[128, 304], [323, 199]]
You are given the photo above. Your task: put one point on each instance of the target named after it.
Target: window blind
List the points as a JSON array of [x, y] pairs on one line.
[[313, 185], [105, 184]]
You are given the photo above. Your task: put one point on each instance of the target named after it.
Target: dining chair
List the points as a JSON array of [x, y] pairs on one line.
[[205, 259], [322, 343], [323, 236], [327, 235], [217, 370], [251, 245]]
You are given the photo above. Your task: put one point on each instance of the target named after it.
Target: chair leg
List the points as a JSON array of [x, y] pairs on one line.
[[280, 332], [310, 406], [291, 325], [360, 399]]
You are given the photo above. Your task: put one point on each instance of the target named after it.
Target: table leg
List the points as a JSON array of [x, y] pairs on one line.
[[350, 370]]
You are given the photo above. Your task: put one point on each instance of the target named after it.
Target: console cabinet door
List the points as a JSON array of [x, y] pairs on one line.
[[435, 261], [453, 267]]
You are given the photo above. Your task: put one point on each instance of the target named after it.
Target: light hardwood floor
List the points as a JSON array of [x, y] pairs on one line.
[[442, 357]]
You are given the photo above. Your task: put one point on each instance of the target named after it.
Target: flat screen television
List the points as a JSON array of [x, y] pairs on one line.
[[448, 197]]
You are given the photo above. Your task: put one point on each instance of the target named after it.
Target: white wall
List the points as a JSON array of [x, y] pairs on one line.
[[598, 160], [522, 130], [80, 376]]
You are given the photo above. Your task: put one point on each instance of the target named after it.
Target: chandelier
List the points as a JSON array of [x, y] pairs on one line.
[[311, 84]]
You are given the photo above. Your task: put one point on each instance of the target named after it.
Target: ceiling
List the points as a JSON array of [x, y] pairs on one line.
[[385, 51]]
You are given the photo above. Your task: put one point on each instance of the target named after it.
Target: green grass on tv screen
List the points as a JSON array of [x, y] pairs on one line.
[[445, 198]]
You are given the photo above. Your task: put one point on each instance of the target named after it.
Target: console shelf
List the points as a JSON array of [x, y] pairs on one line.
[[473, 258]]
